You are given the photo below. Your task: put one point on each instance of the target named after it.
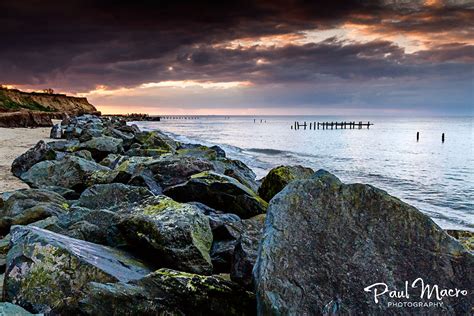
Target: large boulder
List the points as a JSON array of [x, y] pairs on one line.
[[100, 147], [71, 172], [156, 140], [220, 192], [110, 195], [177, 235], [48, 273], [169, 292], [325, 242], [173, 170], [28, 206], [279, 177], [246, 251], [41, 151]]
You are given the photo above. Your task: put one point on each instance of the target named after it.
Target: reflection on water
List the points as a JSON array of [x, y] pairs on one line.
[[436, 177]]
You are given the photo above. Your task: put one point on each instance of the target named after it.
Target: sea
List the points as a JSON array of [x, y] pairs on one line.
[[434, 176]]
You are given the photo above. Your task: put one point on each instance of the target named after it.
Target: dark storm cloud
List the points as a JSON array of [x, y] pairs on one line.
[[43, 38], [77, 45]]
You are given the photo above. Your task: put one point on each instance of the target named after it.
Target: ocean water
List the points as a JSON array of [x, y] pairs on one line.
[[435, 177]]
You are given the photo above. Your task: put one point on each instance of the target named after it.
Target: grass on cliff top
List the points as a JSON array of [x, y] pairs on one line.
[[7, 104]]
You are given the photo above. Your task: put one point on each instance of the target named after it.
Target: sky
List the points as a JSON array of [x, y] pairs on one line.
[[329, 57]]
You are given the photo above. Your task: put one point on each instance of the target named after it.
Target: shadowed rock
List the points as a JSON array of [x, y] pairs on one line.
[[324, 242], [110, 195], [40, 152], [28, 206], [220, 192], [173, 170], [246, 251], [169, 292]]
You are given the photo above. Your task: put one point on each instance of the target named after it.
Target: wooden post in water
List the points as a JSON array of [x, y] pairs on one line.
[[304, 125], [442, 138], [368, 124], [310, 124], [295, 125], [417, 136]]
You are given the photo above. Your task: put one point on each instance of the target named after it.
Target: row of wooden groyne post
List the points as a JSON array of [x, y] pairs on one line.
[[330, 125], [179, 117]]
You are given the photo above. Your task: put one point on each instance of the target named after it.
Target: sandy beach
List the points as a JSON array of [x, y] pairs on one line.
[[14, 142]]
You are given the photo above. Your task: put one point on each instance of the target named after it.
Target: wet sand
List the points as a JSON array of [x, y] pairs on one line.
[[13, 143]]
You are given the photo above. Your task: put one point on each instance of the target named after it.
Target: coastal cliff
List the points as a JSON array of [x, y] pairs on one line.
[[15, 100]]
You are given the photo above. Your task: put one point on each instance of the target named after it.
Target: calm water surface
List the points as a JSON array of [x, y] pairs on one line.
[[436, 177]]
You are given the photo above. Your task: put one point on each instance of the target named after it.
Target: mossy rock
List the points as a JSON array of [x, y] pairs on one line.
[[328, 239], [156, 140], [220, 192], [170, 292], [279, 177], [47, 272], [466, 238], [178, 235]]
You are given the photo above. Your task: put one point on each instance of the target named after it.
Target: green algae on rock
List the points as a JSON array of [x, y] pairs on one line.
[[178, 235], [466, 238], [48, 272], [278, 178], [325, 240], [169, 292]]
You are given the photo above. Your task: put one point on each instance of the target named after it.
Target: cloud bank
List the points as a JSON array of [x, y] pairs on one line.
[[160, 56]]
